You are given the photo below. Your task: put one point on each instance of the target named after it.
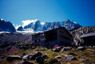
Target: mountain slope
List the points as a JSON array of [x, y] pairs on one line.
[[39, 26], [10, 38], [6, 26], [70, 25]]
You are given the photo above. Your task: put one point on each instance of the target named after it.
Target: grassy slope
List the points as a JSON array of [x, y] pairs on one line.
[[86, 54]]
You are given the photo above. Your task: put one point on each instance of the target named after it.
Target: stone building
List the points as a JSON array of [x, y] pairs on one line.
[[38, 39], [58, 36]]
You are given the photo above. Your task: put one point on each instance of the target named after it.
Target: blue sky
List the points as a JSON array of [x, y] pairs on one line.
[[80, 11]]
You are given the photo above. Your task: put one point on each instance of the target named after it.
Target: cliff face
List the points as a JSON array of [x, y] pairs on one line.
[[82, 30]]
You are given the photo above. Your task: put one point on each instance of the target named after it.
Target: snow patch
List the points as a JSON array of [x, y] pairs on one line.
[[2, 19], [26, 22], [75, 22], [42, 23], [4, 32], [17, 26]]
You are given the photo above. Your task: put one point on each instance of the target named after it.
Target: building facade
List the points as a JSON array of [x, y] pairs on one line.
[[38, 39], [58, 36]]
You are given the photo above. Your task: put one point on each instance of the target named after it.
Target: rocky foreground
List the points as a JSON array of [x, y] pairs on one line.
[[29, 54]]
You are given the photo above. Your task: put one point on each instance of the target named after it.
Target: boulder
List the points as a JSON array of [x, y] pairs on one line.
[[67, 48], [81, 48], [33, 57], [59, 56], [38, 54], [54, 61], [40, 60], [25, 57], [57, 49], [45, 56], [85, 60], [13, 57], [68, 57], [26, 62], [72, 54]]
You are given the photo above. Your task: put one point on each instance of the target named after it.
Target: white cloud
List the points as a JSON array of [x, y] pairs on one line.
[[26, 22]]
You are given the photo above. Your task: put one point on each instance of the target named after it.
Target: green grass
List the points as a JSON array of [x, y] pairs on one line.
[[86, 54]]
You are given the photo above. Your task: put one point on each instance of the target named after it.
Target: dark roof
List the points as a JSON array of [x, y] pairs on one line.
[[87, 35], [50, 30], [60, 28], [53, 30], [66, 30], [37, 33]]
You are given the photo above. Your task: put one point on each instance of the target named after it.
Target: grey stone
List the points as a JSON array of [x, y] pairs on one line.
[[81, 48], [45, 56], [26, 62], [67, 48], [40, 60], [57, 49], [25, 57], [13, 57], [68, 57]]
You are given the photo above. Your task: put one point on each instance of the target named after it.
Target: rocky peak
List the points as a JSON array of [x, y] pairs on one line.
[[70, 25], [36, 25], [6, 26]]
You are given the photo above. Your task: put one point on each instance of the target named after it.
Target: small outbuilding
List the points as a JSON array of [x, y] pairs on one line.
[[88, 39]]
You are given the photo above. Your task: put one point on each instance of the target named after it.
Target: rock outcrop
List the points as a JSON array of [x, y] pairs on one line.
[[82, 30]]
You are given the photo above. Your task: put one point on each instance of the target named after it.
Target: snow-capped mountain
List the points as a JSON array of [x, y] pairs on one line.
[[69, 25], [39, 26], [6, 26]]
